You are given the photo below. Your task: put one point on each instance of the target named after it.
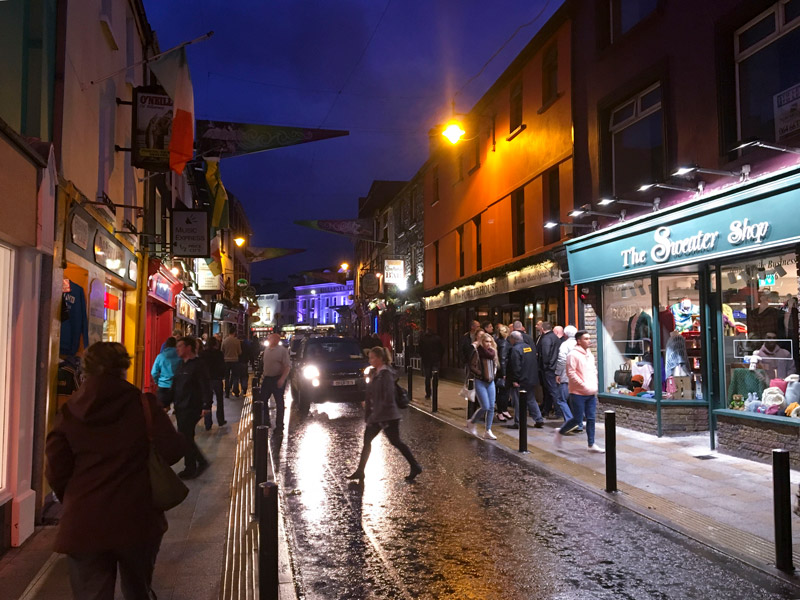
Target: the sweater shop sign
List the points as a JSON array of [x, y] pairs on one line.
[[190, 233], [742, 232]]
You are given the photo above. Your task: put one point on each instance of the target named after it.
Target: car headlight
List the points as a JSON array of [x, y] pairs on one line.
[[310, 372]]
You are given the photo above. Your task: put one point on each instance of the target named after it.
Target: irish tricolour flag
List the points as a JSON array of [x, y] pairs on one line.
[[172, 71]]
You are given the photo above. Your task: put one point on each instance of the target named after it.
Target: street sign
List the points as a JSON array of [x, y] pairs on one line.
[[394, 271], [370, 284], [190, 233]]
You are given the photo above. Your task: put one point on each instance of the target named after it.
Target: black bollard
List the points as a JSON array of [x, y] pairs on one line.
[[268, 542], [257, 410], [260, 449], [611, 451], [523, 420], [782, 502], [435, 391]]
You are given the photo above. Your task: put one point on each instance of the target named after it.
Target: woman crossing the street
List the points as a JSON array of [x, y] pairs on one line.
[[382, 413]]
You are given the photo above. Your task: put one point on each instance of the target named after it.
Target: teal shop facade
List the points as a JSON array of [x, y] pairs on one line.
[[687, 299]]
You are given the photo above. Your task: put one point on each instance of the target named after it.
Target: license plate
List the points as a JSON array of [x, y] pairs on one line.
[[344, 382]]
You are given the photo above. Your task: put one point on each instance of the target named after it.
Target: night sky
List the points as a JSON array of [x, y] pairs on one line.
[[384, 70]]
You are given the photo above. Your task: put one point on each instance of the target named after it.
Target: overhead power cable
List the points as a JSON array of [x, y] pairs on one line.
[[358, 62]]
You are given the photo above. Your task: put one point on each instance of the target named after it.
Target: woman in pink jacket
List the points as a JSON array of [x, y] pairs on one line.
[[582, 382]]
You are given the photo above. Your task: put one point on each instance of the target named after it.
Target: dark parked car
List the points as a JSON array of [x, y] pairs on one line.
[[328, 368]]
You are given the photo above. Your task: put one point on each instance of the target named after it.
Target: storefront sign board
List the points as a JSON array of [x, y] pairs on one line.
[[109, 255], [190, 233], [757, 218], [206, 280], [79, 229], [394, 271], [152, 126]]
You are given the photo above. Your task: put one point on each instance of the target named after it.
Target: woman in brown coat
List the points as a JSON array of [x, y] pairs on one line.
[[97, 466], [381, 413]]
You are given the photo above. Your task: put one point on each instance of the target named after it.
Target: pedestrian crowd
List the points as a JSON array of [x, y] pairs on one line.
[[108, 435], [505, 366]]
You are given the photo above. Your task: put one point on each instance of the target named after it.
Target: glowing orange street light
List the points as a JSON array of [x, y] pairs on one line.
[[239, 241], [453, 132]]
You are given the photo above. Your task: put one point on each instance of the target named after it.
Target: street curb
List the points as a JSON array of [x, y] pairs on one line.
[[631, 498]]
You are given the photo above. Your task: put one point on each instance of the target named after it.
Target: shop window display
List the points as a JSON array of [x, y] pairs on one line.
[[760, 335], [112, 321], [680, 332], [628, 338]]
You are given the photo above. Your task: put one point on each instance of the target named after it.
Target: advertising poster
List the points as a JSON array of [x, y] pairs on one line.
[[190, 233], [152, 127]]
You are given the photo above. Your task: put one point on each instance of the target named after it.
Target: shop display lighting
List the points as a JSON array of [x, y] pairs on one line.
[[742, 174], [655, 204], [768, 145], [586, 210], [677, 188]]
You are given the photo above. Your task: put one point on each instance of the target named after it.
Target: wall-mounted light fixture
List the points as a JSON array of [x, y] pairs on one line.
[[742, 174], [677, 188], [655, 204], [586, 210], [769, 145], [554, 224]]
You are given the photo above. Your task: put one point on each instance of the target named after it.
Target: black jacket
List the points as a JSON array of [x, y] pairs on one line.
[[431, 349], [523, 366], [465, 348], [547, 348], [215, 363], [192, 386], [503, 351]]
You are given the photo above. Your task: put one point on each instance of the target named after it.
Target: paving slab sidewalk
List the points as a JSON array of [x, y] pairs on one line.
[[723, 501]]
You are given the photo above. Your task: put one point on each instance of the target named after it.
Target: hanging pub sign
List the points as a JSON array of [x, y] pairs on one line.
[[394, 271], [152, 126], [190, 233]]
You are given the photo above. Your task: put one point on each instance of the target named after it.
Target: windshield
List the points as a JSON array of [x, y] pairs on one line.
[[333, 350]]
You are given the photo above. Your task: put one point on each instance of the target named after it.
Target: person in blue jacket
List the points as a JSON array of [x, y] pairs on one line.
[[164, 370]]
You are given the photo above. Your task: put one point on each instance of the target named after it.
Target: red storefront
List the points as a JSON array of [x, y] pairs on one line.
[[162, 288]]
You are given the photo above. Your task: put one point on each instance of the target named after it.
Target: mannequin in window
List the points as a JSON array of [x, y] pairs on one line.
[[775, 360], [639, 334], [666, 322], [676, 361], [682, 312], [788, 326], [762, 319]]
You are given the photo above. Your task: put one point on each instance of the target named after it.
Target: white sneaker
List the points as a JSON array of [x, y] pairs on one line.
[[597, 449], [557, 439], [489, 435]]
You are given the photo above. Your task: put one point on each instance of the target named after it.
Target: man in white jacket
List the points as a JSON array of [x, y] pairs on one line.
[[561, 374]]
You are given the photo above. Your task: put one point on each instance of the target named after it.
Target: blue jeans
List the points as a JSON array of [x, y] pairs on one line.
[[563, 402], [583, 405], [484, 393], [533, 406]]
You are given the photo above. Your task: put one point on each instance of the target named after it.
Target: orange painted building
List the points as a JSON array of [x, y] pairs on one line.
[[488, 255]]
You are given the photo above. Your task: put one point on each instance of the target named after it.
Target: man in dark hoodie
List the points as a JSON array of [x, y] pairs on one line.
[[215, 367], [191, 389], [97, 466]]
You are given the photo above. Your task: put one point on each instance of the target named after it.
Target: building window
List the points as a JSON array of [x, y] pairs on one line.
[[460, 244], [637, 141], [460, 168], [515, 106], [518, 221], [550, 75], [551, 205], [625, 14], [478, 248], [767, 52], [436, 261], [435, 178], [476, 154]]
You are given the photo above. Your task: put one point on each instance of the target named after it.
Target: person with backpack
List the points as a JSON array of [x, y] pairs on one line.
[[381, 412]]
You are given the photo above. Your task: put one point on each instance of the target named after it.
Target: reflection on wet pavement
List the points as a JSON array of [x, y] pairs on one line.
[[480, 522]]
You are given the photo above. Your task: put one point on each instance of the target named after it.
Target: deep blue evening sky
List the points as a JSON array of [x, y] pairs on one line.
[[283, 62]]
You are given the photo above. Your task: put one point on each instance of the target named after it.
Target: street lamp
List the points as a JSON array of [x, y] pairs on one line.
[[239, 241], [344, 267], [453, 132]]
